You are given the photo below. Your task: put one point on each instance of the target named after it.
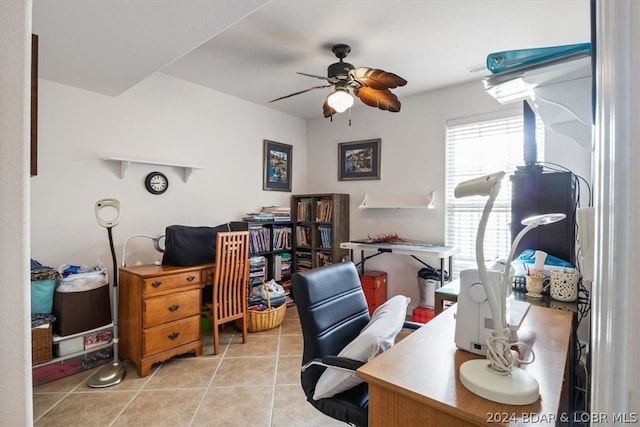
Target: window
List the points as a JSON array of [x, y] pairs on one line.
[[475, 147]]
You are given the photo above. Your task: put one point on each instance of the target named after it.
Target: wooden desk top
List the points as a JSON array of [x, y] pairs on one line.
[[424, 366]]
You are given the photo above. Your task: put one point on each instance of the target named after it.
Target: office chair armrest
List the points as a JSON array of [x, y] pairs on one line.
[[335, 362], [412, 325]]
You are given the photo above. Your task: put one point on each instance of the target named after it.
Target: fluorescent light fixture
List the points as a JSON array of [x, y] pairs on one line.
[[497, 378], [510, 91], [340, 100]]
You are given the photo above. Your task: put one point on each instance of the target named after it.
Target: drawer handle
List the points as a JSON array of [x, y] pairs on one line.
[[191, 278], [174, 308], [156, 284], [173, 336]]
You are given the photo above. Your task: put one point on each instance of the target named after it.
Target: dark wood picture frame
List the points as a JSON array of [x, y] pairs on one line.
[[359, 160], [277, 166], [34, 105]]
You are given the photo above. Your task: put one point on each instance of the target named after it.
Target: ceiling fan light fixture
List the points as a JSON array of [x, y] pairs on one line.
[[340, 100]]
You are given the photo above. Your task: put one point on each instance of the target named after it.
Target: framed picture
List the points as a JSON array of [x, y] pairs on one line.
[[277, 166], [359, 160]]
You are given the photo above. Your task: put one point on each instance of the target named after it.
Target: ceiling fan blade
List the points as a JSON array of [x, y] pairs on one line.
[[302, 91], [329, 79], [382, 99], [376, 79], [326, 109]]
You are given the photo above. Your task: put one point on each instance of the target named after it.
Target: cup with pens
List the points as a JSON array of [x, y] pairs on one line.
[[535, 278]]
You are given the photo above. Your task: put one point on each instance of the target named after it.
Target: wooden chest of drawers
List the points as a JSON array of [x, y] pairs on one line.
[[159, 314]]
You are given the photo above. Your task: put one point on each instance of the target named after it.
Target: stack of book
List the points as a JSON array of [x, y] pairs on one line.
[[269, 213], [277, 213]]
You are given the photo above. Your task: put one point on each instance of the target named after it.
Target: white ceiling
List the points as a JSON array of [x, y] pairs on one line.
[[252, 49]]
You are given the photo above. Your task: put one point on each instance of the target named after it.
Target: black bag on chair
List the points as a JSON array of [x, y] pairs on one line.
[[186, 245]]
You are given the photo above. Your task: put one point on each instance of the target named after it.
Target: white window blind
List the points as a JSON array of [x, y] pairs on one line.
[[477, 148]]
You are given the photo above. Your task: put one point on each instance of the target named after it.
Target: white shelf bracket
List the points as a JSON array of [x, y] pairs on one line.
[[124, 165], [187, 173]]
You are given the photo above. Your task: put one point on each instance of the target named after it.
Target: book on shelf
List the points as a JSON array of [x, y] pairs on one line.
[[281, 237], [323, 259], [324, 236], [282, 266], [324, 210], [259, 239], [303, 212], [303, 235], [303, 260]]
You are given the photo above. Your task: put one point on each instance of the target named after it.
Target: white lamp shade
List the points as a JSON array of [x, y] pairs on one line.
[[544, 219], [340, 100]]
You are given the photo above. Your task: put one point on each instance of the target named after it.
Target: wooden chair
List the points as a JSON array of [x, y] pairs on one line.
[[230, 282]]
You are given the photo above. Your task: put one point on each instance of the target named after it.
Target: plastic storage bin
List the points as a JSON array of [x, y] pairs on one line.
[[81, 302], [374, 285]]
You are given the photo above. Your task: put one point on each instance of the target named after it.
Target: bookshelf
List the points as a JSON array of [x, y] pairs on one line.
[[320, 224], [270, 249]]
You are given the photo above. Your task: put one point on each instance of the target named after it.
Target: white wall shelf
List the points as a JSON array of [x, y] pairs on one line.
[[125, 163], [560, 93], [398, 201]]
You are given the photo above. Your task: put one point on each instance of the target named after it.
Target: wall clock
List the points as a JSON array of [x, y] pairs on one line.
[[156, 183]]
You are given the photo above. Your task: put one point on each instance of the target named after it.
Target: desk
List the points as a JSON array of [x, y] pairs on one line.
[[412, 249], [416, 383]]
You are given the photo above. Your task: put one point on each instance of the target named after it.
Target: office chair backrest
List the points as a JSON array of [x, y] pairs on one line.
[[333, 310]]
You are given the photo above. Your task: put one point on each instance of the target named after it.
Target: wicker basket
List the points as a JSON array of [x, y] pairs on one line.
[[268, 319], [41, 345]]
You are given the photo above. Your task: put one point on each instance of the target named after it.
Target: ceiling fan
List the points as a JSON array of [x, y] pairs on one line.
[[371, 85]]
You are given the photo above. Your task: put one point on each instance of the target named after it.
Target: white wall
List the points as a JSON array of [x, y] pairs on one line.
[[163, 119], [412, 160], [15, 335]]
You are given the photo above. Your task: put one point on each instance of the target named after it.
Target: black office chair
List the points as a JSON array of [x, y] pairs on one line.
[[333, 310]]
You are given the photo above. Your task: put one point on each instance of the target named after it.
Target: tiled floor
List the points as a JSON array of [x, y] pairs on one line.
[[255, 384]]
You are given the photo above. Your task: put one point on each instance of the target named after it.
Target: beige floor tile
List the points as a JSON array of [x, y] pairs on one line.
[[256, 345], [245, 371], [226, 335], [234, 388], [291, 327], [272, 331], [235, 407], [44, 401], [289, 370], [160, 408], [291, 345], [195, 372], [291, 408], [292, 312], [86, 409]]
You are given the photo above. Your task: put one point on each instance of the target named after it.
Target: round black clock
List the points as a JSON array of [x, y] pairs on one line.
[[156, 183]]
